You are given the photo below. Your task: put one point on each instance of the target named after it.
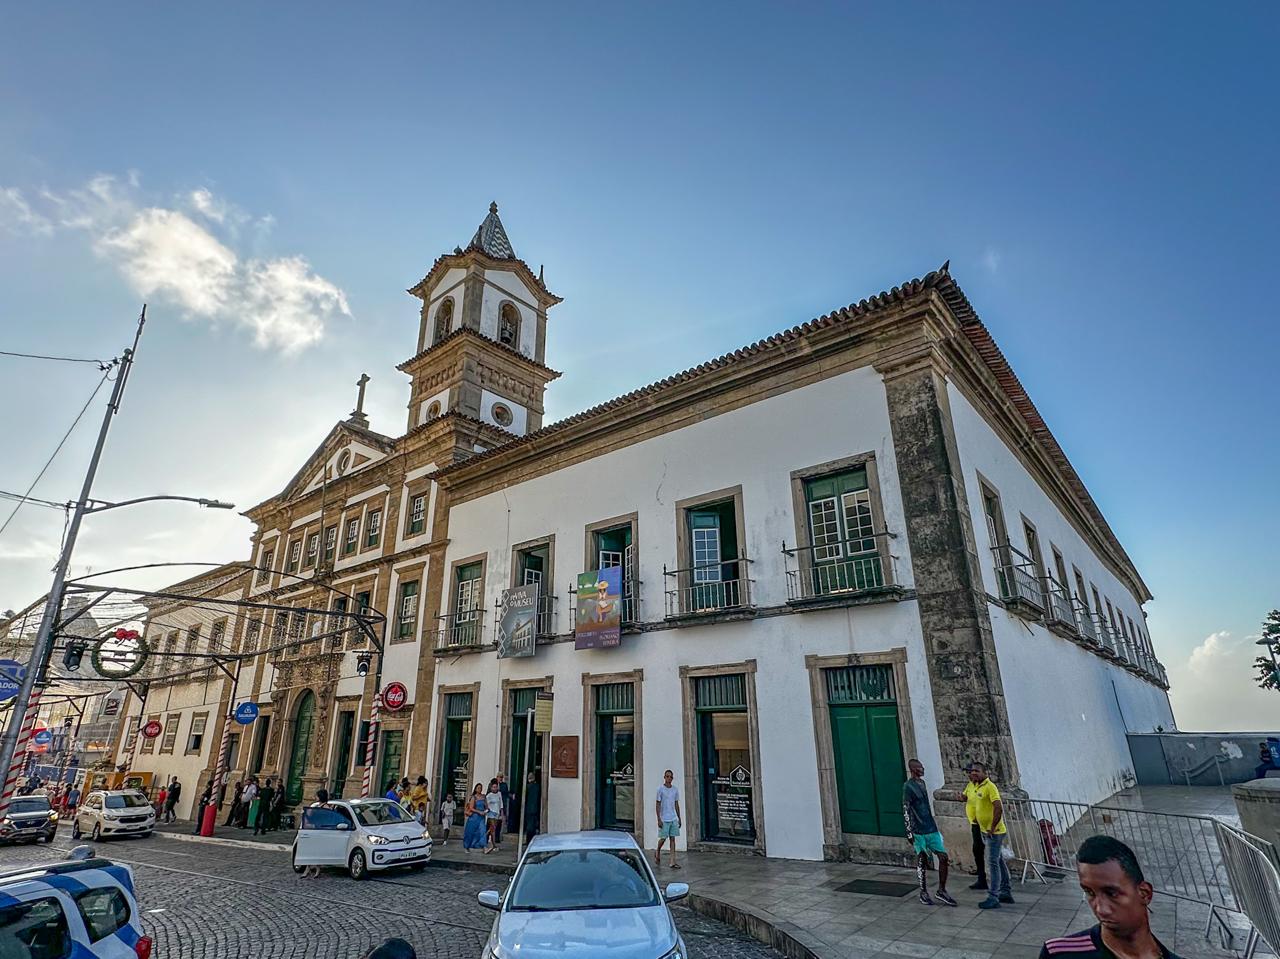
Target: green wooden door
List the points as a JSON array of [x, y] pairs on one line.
[[300, 751], [392, 758], [869, 770], [346, 729]]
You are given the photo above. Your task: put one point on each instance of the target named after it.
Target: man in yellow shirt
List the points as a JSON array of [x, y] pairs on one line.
[[979, 847], [988, 812]]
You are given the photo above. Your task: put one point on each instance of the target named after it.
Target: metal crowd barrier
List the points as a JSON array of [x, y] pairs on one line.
[[1179, 855], [1253, 871]]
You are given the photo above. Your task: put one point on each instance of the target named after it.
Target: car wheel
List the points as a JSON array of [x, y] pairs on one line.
[[75, 829], [96, 835], [293, 860], [357, 866]]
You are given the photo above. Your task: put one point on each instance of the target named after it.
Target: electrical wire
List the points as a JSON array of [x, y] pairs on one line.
[[18, 497], [57, 450], [101, 364]]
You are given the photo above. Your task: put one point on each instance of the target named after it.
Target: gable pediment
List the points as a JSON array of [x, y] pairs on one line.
[[346, 450]]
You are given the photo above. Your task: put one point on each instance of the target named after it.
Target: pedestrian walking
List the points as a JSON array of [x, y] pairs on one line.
[[532, 807], [419, 799], [277, 806], [473, 830], [73, 800], [171, 800], [509, 812], [161, 798], [979, 847], [1120, 898], [922, 830], [263, 820], [493, 812], [206, 800], [990, 814], [447, 809], [237, 797], [246, 802], [670, 821]]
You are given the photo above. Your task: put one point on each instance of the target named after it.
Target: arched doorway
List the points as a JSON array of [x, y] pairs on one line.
[[300, 752]]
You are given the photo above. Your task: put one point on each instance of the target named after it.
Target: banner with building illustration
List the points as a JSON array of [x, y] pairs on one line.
[[518, 625], [599, 615]]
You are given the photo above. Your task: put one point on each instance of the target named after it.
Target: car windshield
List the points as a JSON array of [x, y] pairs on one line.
[[127, 801], [380, 813], [582, 879], [29, 805]]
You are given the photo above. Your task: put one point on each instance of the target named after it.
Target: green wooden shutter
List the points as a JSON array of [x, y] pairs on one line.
[[522, 700], [457, 705], [886, 768], [854, 787], [721, 692], [616, 699]]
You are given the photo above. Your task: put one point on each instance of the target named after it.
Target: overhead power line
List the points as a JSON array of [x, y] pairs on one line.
[[57, 450], [101, 364], [36, 500]]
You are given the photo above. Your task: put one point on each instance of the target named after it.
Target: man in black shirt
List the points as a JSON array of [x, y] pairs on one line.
[[1120, 899], [922, 830], [265, 798]]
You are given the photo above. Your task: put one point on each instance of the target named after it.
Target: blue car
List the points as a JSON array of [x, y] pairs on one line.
[[586, 894], [80, 909]]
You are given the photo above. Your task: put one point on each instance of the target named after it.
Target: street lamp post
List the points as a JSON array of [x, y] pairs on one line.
[[26, 704]]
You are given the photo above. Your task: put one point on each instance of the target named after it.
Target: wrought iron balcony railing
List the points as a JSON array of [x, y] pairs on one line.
[[1107, 635], [462, 630], [1084, 620], [707, 588], [839, 569], [1059, 610], [1018, 577]]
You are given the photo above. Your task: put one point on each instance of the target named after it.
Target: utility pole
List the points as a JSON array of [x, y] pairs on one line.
[[10, 760]]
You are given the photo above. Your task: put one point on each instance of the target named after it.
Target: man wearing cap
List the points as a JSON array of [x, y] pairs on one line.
[[979, 849]]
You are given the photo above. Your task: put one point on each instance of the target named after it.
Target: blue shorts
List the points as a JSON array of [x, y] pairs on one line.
[[669, 830], [930, 842]]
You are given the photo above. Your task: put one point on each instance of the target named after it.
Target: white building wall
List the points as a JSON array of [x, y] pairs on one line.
[[1050, 682], [519, 415], [503, 286], [820, 423]]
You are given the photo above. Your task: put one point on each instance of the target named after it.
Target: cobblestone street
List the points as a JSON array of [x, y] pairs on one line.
[[205, 901]]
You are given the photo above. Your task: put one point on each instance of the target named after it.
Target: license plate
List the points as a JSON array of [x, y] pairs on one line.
[[30, 825]]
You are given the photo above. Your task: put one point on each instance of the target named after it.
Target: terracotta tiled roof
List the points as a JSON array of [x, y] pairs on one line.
[[468, 331]]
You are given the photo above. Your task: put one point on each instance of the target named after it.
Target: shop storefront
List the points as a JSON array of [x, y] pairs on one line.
[[615, 756], [726, 769], [455, 764]]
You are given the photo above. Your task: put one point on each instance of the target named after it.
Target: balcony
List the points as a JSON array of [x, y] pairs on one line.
[[1059, 613], [720, 589], [1107, 637], [1088, 628], [841, 573], [630, 606], [460, 631], [1018, 579]]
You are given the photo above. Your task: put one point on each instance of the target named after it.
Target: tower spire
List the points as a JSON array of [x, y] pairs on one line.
[[491, 238]]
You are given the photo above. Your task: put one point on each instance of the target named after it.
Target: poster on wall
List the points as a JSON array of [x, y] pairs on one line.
[[599, 621], [518, 622], [564, 757]]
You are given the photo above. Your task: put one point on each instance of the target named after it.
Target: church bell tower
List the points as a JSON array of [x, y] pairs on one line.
[[482, 336]]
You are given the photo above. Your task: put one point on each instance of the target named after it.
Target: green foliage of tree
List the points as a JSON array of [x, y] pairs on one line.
[[1267, 677]]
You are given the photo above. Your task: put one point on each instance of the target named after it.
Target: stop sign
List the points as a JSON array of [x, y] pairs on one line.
[[152, 729], [394, 697]]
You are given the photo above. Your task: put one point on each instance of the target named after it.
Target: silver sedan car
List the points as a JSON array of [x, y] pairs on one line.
[[584, 894]]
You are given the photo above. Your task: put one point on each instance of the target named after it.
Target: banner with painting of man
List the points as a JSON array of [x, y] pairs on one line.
[[599, 620], [517, 625]]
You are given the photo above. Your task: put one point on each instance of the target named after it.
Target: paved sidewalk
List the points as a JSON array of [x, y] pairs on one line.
[[805, 907]]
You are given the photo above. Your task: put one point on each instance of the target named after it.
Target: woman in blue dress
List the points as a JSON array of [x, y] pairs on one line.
[[474, 835]]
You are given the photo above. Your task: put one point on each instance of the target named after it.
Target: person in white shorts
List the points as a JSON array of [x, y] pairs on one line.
[[669, 821]]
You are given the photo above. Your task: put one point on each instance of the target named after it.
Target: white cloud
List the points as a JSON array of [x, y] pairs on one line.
[[991, 260], [163, 252], [17, 216], [1216, 681]]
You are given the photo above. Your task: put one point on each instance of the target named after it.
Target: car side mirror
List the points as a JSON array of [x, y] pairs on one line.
[[343, 827], [676, 891], [490, 899]]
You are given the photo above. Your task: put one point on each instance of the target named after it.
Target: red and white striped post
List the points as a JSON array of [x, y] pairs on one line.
[[370, 746], [20, 750], [211, 810]]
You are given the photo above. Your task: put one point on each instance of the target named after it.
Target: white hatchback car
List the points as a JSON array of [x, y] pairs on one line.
[[360, 835], [114, 812]]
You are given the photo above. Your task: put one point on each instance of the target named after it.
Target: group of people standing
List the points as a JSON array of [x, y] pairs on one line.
[[488, 812], [271, 801]]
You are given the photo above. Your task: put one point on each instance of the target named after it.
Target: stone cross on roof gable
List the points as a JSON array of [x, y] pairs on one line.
[[491, 238], [358, 416]]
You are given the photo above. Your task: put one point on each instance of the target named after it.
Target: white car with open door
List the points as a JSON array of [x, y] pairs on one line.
[[361, 835]]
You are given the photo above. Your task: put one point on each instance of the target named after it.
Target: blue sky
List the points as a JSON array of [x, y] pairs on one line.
[[694, 177]]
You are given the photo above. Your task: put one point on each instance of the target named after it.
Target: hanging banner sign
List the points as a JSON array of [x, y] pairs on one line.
[[599, 621], [111, 707], [246, 713], [542, 712], [41, 740], [152, 729], [518, 622], [394, 696], [11, 676]]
